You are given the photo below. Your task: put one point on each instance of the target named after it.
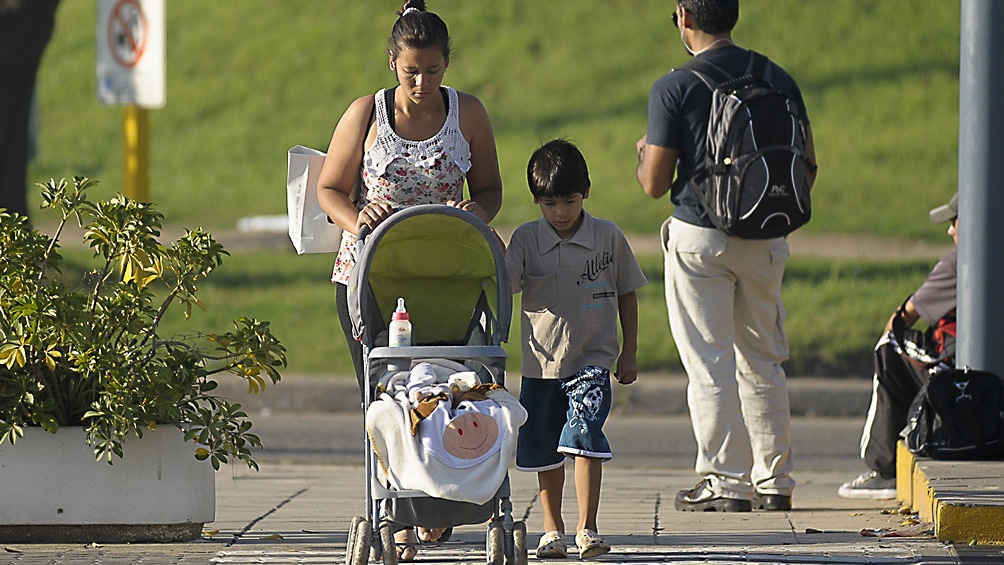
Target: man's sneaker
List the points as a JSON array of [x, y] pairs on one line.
[[772, 502], [869, 485], [702, 498]]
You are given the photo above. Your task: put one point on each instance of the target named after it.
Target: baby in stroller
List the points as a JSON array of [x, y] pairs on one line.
[[438, 429]]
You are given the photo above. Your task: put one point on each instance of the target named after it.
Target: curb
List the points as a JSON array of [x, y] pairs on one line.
[[963, 499]]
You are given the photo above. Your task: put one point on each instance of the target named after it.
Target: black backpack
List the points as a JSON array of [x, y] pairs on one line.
[[754, 184], [958, 414]]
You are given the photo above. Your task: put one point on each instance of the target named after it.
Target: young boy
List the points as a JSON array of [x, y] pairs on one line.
[[577, 274]]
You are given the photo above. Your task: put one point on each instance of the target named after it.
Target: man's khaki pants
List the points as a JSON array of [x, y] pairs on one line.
[[724, 299]]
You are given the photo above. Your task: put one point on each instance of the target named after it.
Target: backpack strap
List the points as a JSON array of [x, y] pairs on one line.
[[713, 76], [899, 325], [760, 66], [708, 72]]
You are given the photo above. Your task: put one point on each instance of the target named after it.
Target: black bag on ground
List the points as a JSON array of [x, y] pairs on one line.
[[754, 183], [958, 414]]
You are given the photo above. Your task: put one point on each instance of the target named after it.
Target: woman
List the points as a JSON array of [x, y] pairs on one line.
[[414, 144]]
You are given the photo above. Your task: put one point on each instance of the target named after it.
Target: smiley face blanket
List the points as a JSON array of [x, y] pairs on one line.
[[441, 432]]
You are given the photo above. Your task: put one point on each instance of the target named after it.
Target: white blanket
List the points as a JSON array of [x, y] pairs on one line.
[[459, 452]]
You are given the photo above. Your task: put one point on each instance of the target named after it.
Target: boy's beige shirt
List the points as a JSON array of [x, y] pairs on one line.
[[569, 318]]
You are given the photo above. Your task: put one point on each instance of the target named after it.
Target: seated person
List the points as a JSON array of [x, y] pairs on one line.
[[897, 380]]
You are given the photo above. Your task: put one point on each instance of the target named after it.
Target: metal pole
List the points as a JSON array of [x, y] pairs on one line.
[[981, 186], [136, 162]]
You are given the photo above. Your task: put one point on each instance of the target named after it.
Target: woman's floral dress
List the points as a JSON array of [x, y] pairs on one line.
[[404, 173]]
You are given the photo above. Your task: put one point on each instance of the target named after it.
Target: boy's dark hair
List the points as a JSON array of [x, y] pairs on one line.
[[418, 30], [557, 169], [713, 16]]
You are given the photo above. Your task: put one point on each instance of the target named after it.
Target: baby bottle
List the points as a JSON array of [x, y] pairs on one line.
[[399, 332]]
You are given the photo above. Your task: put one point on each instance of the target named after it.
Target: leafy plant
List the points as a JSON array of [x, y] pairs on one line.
[[86, 350]]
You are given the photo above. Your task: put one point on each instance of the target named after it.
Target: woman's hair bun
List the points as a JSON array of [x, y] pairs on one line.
[[412, 4]]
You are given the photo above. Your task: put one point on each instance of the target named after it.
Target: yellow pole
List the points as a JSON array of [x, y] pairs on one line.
[[136, 176]]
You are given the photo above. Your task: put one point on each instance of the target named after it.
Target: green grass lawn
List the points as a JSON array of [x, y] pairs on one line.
[[248, 80], [835, 311]]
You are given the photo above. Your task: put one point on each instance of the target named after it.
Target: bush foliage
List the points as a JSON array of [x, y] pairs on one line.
[[87, 350]]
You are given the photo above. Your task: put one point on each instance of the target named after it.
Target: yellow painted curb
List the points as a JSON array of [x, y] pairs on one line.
[[976, 516], [904, 474], [966, 523], [923, 496]]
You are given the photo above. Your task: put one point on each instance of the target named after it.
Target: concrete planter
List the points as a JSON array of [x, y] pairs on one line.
[[52, 490]]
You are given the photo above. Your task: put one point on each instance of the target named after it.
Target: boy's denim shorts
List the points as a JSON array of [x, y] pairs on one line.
[[564, 417]]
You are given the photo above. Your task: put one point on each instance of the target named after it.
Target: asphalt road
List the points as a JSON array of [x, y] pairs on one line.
[[818, 444]]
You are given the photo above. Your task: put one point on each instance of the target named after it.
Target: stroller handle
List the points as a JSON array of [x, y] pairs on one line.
[[365, 230]]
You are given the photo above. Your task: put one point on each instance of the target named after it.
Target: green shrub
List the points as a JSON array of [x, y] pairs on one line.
[[87, 350]]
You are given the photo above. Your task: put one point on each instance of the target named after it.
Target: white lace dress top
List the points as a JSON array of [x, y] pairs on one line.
[[404, 173]]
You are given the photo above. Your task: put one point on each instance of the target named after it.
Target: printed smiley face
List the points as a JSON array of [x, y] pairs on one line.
[[470, 435]]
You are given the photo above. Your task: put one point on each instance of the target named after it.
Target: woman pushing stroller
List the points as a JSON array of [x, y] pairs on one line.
[[416, 143]]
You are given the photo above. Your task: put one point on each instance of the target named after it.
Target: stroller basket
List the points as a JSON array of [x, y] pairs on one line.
[[437, 512]]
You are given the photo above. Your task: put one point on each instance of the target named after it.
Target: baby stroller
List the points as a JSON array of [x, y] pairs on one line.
[[450, 269]]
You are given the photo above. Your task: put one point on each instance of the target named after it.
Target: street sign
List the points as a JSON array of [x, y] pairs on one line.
[[131, 53]]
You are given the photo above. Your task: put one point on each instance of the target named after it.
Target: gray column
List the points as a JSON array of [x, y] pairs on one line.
[[981, 187]]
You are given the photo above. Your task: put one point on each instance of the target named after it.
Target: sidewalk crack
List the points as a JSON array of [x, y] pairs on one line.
[[529, 507], [655, 519], [236, 537]]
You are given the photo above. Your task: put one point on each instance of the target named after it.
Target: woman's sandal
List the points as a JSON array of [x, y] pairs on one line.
[[552, 546], [433, 535], [407, 543], [407, 546], [590, 544]]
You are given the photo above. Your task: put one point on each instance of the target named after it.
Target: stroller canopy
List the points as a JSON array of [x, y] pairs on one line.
[[447, 265]]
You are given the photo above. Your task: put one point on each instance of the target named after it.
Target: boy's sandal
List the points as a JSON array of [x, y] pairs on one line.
[[590, 544], [552, 546]]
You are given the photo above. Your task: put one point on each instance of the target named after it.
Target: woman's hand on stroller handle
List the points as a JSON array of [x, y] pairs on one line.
[[470, 206], [372, 214]]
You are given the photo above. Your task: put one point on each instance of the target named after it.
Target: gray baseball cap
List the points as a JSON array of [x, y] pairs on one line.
[[947, 212]]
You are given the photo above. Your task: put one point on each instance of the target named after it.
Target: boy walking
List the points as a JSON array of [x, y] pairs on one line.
[[578, 275]]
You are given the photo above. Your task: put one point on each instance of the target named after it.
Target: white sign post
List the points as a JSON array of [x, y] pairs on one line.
[[131, 53], [130, 57]]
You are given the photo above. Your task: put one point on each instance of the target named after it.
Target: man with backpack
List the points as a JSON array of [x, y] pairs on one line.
[[723, 291], [902, 358]]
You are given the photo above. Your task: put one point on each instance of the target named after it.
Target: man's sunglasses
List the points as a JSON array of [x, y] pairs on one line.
[[676, 24]]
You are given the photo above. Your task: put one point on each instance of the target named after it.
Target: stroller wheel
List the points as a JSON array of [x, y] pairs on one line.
[[357, 547], [519, 543], [389, 547], [495, 548]]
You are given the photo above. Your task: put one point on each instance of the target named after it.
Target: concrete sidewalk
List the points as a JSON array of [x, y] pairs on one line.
[[296, 513], [298, 510], [963, 500]]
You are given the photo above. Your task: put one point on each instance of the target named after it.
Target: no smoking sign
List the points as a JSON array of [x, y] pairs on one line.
[[127, 32], [130, 49]]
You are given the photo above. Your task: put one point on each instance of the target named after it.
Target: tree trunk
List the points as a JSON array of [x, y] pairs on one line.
[[25, 29]]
